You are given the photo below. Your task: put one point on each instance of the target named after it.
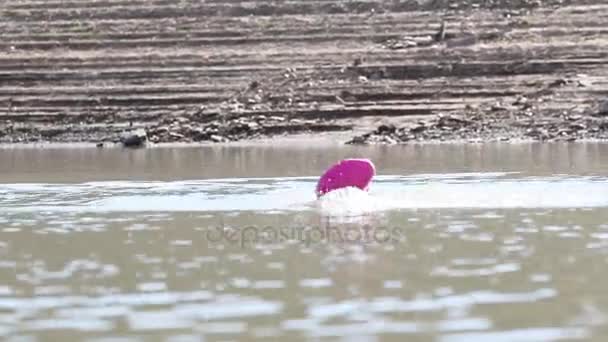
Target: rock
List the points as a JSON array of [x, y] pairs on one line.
[[389, 140], [418, 129], [522, 100], [176, 136], [239, 128], [277, 118], [182, 120], [577, 126], [603, 108], [405, 137], [134, 139], [440, 35], [558, 83], [185, 129], [498, 107], [213, 125], [51, 132], [216, 138], [451, 122], [211, 130], [358, 140], [409, 43], [537, 133], [584, 83], [198, 134], [394, 45], [386, 129]]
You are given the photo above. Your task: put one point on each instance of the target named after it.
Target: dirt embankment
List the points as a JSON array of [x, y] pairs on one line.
[[390, 71]]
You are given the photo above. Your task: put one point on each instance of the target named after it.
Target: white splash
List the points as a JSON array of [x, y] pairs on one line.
[[348, 201]]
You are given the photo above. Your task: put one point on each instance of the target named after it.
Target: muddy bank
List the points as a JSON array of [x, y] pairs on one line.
[[518, 121], [183, 128], [106, 71]]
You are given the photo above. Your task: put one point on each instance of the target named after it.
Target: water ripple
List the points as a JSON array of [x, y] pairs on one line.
[[296, 194]]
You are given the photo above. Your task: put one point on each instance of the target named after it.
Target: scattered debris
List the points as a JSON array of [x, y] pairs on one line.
[[525, 76], [440, 35], [486, 126], [235, 128]]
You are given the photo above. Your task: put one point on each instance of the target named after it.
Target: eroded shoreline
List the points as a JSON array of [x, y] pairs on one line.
[[374, 73]]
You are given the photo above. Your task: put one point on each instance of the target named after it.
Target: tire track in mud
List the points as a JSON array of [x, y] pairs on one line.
[[192, 71]]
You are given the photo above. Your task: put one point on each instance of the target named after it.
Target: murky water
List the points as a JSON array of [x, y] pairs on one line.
[[453, 243]]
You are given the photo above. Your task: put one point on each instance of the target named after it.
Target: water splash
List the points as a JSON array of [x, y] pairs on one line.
[[349, 201], [393, 192]]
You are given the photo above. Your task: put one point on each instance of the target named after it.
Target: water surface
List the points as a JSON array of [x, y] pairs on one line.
[[453, 243]]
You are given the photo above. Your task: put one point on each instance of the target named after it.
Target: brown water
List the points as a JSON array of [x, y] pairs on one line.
[[454, 243]]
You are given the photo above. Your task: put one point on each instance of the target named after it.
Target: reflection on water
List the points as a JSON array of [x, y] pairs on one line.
[[485, 250], [50, 165]]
